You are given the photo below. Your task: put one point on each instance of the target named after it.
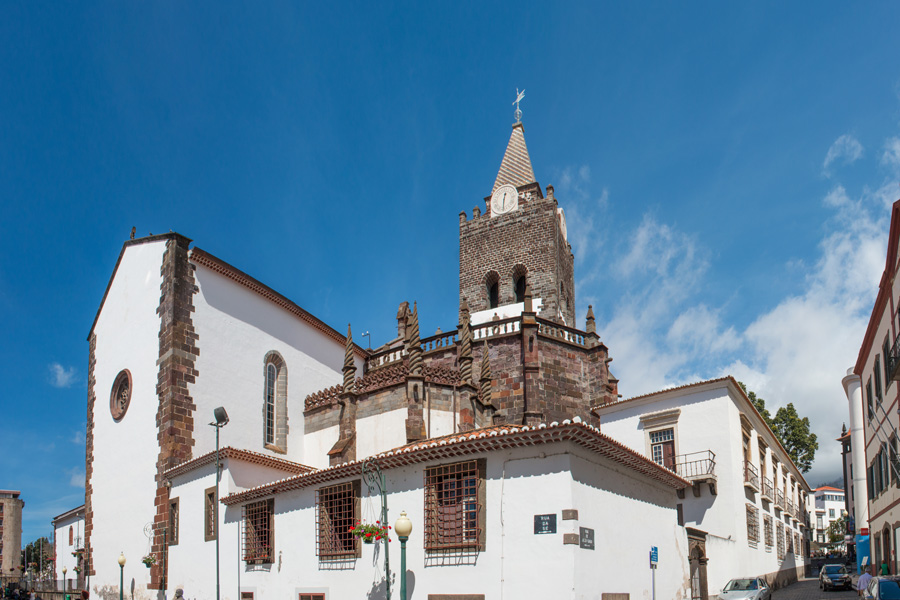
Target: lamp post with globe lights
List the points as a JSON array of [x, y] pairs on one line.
[[64, 578], [403, 527], [221, 421], [121, 573]]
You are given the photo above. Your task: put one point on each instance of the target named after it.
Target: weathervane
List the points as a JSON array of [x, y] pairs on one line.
[[519, 96]]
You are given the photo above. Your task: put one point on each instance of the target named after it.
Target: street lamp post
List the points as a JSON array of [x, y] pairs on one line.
[[121, 574], [403, 527], [64, 578], [221, 421]]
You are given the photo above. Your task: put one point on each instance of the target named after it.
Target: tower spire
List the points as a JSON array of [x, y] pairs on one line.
[[515, 169]]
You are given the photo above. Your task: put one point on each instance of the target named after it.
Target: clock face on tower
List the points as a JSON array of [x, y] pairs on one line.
[[504, 200]]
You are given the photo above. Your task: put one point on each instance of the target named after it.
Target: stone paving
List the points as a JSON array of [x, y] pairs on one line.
[[808, 589]]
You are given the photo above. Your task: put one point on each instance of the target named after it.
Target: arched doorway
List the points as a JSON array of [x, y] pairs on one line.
[[698, 560], [886, 547]]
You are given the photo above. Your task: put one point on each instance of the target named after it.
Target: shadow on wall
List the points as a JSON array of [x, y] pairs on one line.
[[379, 590]]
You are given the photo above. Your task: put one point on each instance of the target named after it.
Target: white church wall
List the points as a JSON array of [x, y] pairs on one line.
[[237, 328], [317, 444], [379, 433], [125, 453], [193, 559], [440, 422]]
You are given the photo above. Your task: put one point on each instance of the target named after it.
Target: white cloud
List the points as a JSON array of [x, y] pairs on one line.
[[61, 376], [77, 437], [76, 477], [794, 352], [845, 147]]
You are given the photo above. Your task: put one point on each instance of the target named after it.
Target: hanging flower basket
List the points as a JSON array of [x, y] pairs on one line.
[[149, 560], [77, 569], [370, 533]]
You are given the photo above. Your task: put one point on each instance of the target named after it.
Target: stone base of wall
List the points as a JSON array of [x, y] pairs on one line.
[[785, 577]]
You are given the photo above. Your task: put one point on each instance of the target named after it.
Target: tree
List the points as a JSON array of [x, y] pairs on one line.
[[792, 431], [836, 531], [34, 552]]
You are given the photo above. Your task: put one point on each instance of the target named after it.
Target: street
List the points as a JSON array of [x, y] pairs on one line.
[[808, 589]]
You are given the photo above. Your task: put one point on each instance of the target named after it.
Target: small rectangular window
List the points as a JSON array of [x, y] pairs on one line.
[[312, 596], [173, 522], [258, 531], [886, 352], [209, 514], [246, 595]]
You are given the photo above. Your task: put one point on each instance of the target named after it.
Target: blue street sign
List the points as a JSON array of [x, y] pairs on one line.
[[654, 555]]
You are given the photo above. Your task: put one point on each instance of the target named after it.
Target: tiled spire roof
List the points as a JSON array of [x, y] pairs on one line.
[[516, 166]]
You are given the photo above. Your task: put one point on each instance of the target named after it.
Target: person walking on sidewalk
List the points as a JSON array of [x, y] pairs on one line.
[[863, 582]]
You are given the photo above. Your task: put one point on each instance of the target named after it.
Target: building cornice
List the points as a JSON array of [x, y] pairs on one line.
[[247, 456]]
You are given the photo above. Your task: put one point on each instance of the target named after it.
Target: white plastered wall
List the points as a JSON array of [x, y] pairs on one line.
[[125, 453], [64, 550], [710, 419], [237, 328], [520, 484]]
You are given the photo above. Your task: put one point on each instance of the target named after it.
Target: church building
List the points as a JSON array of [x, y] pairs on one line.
[[484, 435]]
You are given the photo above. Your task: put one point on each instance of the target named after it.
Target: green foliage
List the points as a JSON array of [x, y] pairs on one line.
[[792, 431], [35, 549], [837, 530]]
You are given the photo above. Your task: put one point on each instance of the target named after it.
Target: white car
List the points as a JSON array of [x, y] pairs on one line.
[[746, 588]]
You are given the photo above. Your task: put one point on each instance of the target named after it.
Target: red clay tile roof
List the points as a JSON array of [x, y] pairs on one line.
[[236, 454], [479, 440], [828, 487]]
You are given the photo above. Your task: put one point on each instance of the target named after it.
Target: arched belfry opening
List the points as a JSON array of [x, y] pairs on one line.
[[519, 281], [492, 288]]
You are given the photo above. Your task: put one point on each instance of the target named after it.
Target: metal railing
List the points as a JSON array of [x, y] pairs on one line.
[[696, 464], [751, 475], [779, 498], [768, 489]]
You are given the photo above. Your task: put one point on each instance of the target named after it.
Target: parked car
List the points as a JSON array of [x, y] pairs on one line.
[[883, 588], [746, 588], [834, 576]]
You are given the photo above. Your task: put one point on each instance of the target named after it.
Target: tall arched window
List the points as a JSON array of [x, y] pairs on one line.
[[271, 377], [520, 288], [275, 403], [71, 536]]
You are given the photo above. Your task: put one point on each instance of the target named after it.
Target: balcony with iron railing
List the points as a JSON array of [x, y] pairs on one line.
[[696, 465], [751, 476], [779, 499], [768, 489]]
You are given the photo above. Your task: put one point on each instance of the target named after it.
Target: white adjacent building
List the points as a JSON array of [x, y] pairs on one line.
[[68, 546], [745, 513], [830, 507]]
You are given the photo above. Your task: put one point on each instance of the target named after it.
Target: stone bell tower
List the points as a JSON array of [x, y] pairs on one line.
[[519, 240]]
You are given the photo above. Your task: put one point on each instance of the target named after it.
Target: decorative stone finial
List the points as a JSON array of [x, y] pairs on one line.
[[529, 305], [349, 366], [485, 376], [591, 326], [414, 344]]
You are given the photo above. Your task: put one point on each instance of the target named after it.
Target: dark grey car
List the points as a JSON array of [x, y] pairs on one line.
[[834, 576]]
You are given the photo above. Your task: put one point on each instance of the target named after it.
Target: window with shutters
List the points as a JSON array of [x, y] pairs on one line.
[[258, 532], [455, 506], [662, 447], [878, 393], [337, 510], [886, 352], [870, 403]]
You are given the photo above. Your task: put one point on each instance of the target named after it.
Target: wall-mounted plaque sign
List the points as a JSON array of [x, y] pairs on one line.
[[544, 524], [586, 538]]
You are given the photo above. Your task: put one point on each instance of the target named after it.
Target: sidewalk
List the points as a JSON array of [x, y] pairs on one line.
[[808, 589]]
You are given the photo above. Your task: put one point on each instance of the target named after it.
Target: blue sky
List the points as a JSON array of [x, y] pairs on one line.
[[726, 170]]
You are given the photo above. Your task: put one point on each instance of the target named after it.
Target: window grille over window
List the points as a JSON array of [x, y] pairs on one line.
[[258, 532], [752, 523], [779, 540], [454, 506], [337, 510], [770, 536], [173, 522], [209, 514]]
